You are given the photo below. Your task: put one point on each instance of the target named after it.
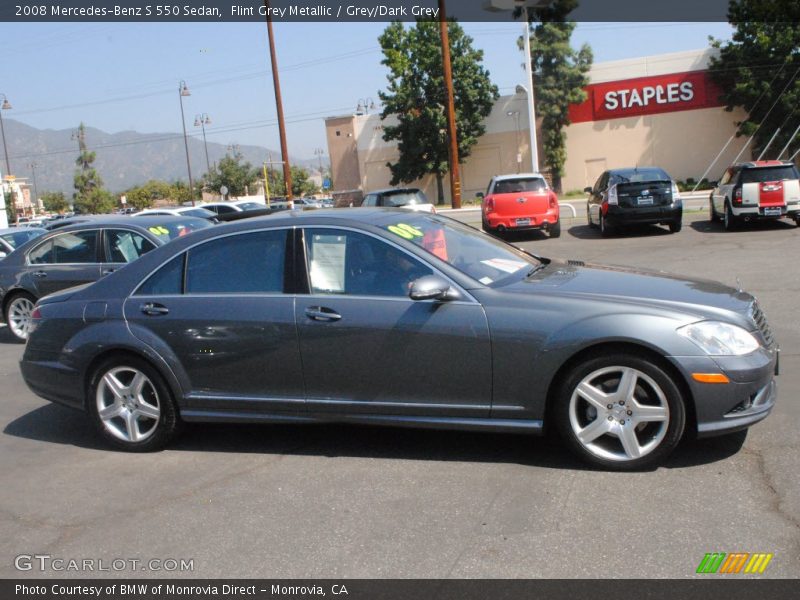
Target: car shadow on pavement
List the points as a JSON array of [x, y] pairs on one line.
[[707, 226], [58, 425], [584, 232]]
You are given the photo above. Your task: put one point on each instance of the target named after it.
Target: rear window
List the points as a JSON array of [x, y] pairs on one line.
[[175, 229], [198, 212], [18, 238], [523, 184], [404, 198], [764, 174], [637, 175]]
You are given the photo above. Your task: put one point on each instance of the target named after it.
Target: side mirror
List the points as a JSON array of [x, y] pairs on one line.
[[588, 190], [479, 195], [431, 287]]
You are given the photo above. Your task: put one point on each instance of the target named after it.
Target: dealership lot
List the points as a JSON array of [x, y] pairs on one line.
[[336, 501]]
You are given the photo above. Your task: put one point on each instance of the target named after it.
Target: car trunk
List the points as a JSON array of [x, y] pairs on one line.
[[521, 204], [644, 194]]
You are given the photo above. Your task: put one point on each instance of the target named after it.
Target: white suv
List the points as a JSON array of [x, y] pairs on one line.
[[766, 189]]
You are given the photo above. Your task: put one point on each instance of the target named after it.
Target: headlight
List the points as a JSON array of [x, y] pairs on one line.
[[720, 339]]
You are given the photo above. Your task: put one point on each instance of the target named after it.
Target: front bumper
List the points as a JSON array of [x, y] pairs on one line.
[[748, 398]]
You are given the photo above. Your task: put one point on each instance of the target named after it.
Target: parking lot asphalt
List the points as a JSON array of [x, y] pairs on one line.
[[344, 501]]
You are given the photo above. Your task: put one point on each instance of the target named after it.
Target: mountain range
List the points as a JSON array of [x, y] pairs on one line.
[[124, 159]]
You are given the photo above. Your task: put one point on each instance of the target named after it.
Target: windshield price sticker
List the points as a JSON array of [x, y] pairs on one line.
[[405, 231]]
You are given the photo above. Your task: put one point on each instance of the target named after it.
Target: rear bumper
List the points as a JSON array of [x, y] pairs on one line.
[[53, 381], [763, 212], [536, 221], [617, 216]]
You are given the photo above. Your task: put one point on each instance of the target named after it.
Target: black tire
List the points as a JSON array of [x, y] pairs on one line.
[[159, 431], [675, 226], [712, 213], [729, 219], [653, 389], [797, 221], [12, 304], [555, 230], [605, 230]]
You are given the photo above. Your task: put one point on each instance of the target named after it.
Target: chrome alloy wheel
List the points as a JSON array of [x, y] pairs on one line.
[[619, 413], [19, 316], [128, 404]]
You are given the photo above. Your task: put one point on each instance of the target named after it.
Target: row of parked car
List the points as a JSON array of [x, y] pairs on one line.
[[644, 196]]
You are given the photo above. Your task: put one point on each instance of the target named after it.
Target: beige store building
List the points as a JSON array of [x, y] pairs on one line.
[[657, 110]]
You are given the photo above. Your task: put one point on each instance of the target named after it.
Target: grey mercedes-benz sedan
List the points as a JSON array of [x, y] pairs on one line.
[[393, 317]]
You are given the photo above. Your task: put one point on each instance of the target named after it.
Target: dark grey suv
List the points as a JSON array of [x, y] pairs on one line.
[[392, 317]]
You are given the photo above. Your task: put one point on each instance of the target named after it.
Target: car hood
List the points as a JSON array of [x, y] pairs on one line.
[[701, 297]]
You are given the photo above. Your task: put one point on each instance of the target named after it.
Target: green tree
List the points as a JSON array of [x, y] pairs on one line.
[[143, 196], [301, 183], [87, 181], [55, 202], [559, 73], [95, 202], [759, 68], [416, 96], [234, 173]]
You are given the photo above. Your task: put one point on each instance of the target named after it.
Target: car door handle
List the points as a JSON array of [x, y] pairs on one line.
[[108, 270], [40, 274], [152, 309], [321, 313]]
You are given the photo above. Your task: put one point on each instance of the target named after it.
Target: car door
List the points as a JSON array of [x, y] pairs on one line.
[[221, 310], [64, 260], [367, 347], [121, 246]]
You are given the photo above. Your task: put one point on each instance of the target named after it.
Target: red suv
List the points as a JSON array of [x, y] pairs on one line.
[[520, 202], [764, 189]]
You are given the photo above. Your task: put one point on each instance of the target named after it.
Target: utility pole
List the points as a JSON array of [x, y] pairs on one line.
[[287, 171], [455, 176], [32, 167], [526, 38]]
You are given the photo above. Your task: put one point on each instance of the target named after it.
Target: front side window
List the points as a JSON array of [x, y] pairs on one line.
[[124, 246], [74, 247], [355, 264], [238, 264]]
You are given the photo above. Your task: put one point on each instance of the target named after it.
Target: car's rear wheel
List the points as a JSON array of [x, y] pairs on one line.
[[620, 412], [729, 219], [605, 230], [675, 226], [19, 311], [555, 230], [131, 405]]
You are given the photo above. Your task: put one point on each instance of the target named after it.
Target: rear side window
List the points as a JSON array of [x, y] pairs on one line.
[[245, 263], [124, 246], [764, 174], [168, 280]]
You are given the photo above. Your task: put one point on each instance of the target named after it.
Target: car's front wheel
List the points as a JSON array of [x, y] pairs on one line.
[[620, 412], [131, 405], [18, 315]]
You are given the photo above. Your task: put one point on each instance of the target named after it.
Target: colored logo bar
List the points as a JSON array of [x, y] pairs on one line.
[[734, 562]]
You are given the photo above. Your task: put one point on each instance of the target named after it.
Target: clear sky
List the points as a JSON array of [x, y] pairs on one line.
[[119, 77]]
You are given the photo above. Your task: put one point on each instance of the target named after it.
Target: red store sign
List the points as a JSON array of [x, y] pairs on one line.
[[646, 96]]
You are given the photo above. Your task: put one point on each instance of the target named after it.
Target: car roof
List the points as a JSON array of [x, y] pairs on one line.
[[396, 190], [518, 176]]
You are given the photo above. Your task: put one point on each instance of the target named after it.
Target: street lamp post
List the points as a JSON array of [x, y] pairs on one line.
[[5, 106], [183, 90], [202, 121], [364, 106]]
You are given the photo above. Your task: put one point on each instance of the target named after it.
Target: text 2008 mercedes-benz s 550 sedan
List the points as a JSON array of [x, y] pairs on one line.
[[393, 317]]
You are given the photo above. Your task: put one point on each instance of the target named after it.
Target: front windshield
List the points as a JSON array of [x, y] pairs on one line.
[[404, 199], [475, 254], [251, 205], [198, 212], [17, 238]]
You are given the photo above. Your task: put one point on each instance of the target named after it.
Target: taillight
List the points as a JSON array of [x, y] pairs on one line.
[[489, 204], [737, 196], [676, 193], [36, 314], [612, 195], [553, 201]]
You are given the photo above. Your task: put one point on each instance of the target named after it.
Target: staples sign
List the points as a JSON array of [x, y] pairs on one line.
[[646, 96]]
